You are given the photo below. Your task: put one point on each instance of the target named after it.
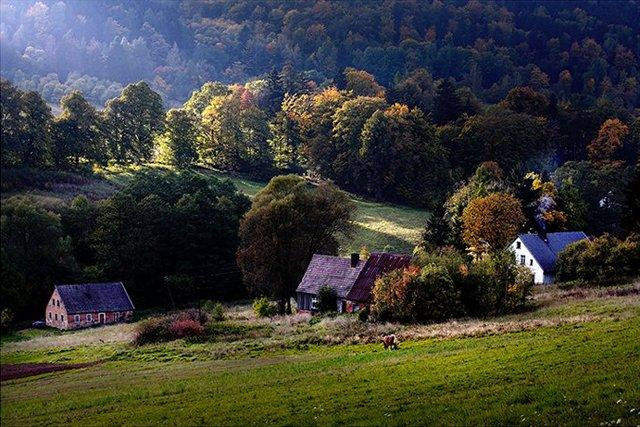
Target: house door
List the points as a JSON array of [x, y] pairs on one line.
[[102, 317]]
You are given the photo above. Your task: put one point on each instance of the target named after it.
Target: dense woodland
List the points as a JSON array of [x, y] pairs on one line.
[[436, 105]]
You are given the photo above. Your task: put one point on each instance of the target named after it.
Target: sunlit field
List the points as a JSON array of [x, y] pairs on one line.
[[528, 368]]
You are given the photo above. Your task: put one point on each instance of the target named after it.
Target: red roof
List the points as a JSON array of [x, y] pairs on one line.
[[376, 266]]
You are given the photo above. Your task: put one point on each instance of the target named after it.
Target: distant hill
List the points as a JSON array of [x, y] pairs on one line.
[[585, 50]]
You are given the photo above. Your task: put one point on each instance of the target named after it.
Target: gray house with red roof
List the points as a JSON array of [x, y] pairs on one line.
[[352, 279], [87, 304]]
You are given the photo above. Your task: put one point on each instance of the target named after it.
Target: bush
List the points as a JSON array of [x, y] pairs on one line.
[[327, 299], [416, 295], [182, 324], [150, 331], [185, 328], [215, 310], [495, 285], [605, 260], [262, 307]]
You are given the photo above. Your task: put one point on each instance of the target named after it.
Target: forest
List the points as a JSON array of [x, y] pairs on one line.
[[580, 51], [435, 105]]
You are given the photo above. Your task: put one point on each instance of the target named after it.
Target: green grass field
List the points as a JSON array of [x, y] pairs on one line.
[[573, 361]]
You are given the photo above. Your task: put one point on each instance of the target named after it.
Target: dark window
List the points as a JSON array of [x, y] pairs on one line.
[[523, 259], [58, 302], [56, 316], [531, 261], [89, 317], [49, 315], [61, 318], [518, 245], [76, 318]]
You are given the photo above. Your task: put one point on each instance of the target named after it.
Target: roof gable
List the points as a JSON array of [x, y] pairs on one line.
[[546, 251], [92, 297]]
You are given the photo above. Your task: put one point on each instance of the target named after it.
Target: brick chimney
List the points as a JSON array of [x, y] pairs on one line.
[[355, 257]]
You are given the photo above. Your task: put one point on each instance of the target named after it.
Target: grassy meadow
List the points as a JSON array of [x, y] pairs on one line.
[[573, 360], [379, 226]]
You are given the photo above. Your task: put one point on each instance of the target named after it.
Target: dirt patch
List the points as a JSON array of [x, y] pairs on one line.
[[20, 370]]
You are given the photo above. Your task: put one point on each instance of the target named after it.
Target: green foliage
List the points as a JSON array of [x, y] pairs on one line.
[[327, 299], [605, 260], [78, 133], [289, 222], [263, 307], [399, 152], [495, 285], [132, 121], [181, 224], [179, 138], [234, 134], [215, 310], [34, 255], [416, 295]]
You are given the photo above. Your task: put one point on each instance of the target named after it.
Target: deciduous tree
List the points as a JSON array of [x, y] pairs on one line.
[[288, 223]]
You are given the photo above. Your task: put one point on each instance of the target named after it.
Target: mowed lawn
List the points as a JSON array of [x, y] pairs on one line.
[[586, 373]]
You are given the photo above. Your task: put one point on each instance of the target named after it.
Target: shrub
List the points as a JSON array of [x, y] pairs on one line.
[[415, 294], [185, 328], [520, 289], [215, 310], [327, 299], [495, 285], [182, 324], [150, 331], [605, 260], [262, 307]]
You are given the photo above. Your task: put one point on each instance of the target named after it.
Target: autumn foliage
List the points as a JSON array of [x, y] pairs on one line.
[[491, 222]]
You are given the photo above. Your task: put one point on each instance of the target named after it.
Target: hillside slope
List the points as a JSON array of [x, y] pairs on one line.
[[379, 226]]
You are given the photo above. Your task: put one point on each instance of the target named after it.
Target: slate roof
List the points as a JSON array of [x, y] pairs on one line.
[[376, 265], [353, 283], [332, 271], [546, 252], [92, 297]]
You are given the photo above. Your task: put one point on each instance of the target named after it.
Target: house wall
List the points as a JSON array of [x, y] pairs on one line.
[[538, 273], [56, 316], [304, 302], [56, 313]]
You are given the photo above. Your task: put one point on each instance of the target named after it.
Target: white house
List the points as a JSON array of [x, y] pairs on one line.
[[540, 252]]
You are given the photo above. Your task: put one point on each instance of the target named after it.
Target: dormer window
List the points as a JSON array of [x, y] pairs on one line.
[[518, 245]]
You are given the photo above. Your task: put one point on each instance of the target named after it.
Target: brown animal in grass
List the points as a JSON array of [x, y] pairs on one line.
[[389, 341]]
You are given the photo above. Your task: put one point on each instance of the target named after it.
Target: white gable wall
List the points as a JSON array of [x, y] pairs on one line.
[[538, 273]]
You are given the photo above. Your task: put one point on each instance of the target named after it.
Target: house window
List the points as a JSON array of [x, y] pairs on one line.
[[314, 301], [523, 259], [89, 317], [49, 315], [531, 261], [76, 318], [61, 318], [56, 316], [518, 245], [58, 302], [116, 316], [53, 302]]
